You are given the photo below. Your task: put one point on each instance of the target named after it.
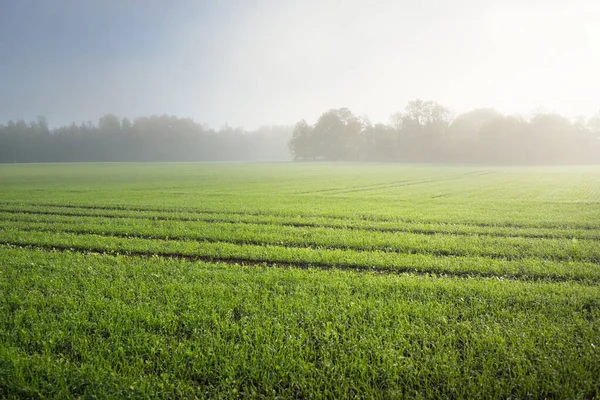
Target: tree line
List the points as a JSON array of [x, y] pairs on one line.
[[426, 131], [153, 138]]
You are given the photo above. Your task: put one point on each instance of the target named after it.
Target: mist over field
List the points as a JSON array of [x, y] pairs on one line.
[[300, 199], [425, 132], [465, 81]]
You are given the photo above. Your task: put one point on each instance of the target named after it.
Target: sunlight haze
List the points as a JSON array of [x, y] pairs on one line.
[[249, 63]]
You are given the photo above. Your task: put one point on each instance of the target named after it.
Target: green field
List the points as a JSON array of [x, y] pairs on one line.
[[299, 280]]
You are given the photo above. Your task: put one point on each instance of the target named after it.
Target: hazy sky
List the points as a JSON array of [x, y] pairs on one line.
[[253, 62]]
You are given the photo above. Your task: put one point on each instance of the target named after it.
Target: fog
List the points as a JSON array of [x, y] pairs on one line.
[[265, 65], [425, 131]]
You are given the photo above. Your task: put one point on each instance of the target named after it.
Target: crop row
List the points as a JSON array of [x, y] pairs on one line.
[[51, 214], [75, 325], [450, 216], [525, 268], [441, 245]]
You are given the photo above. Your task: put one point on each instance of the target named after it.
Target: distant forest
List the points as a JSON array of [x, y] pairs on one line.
[[154, 138], [429, 132], [424, 132]]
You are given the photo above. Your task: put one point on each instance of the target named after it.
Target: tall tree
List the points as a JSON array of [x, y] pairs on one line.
[[301, 144]]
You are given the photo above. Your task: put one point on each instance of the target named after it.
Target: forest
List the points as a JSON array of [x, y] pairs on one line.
[[153, 138], [429, 132], [425, 131]]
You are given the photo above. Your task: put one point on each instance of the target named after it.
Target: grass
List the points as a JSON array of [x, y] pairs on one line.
[[299, 281]]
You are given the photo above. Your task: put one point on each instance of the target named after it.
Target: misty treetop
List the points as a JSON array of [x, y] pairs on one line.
[[153, 138], [429, 132], [424, 132]]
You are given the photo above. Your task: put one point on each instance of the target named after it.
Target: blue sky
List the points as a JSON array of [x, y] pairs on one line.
[[248, 63]]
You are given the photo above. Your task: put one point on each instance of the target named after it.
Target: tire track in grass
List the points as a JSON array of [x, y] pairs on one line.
[[386, 185], [409, 183], [283, 215], [374, 186], [421, 231], [307, 265], [382, 185]]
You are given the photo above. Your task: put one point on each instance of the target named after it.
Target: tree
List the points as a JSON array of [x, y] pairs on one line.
[[327, 135], [301, 144], [126, 124], [337, 135], [505, 139], [424, 115], [467, 125], [593, 124], [553, 136], [109, 125], [421, 127], [379, 143]]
